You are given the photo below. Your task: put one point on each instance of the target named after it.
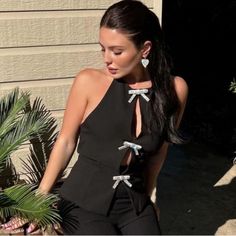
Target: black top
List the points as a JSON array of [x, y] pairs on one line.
[[101, 149]]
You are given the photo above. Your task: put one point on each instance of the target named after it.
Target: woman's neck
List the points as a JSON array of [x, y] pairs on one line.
[[141, 80], [138, 76]]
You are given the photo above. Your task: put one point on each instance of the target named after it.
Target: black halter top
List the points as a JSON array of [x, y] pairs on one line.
[[105, 137]]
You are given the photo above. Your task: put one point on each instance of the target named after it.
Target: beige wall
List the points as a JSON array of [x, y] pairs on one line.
[[44, 43]]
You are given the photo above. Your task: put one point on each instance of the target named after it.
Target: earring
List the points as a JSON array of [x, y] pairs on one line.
[[145, 62]]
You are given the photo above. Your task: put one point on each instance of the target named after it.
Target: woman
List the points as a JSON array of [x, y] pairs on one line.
[[125, 115]]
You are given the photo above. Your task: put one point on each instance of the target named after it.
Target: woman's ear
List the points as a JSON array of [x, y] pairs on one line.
[[146, 48]]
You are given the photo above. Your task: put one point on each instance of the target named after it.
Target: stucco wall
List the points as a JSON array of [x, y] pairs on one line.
[[43, 45]]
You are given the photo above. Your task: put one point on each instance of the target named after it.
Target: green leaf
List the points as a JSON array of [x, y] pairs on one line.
[[29, 125], [24, 201], [6, 103], [41, 146], [20, 123], [12, 109], [232, 86]]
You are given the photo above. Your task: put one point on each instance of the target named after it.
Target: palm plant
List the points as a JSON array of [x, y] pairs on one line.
[[21, 123], [233, 86]]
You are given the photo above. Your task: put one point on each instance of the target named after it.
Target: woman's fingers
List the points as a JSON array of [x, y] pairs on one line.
[[14, 223], [32, 227], [19, 231]]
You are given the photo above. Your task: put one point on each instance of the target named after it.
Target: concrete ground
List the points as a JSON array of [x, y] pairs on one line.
[[197, 192]]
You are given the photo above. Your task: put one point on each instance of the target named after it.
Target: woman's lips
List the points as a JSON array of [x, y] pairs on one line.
[[112, 70]]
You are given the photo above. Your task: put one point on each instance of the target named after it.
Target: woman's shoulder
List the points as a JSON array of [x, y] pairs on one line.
[[90, 79], [90, 75], [181, 88], [91, 82]]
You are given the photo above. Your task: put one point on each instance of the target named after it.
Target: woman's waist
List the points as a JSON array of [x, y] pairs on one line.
[[95, 145], [88, 172]]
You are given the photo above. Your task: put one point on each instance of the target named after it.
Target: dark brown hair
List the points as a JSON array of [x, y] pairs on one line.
[[141, 24]]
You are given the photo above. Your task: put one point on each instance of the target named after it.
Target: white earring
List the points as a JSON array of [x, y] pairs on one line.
[[145, 62]]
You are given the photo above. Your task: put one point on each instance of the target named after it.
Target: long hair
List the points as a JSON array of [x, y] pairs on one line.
[[140, 24]]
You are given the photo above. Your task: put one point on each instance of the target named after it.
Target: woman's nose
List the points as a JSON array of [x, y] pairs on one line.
[[107, 58]]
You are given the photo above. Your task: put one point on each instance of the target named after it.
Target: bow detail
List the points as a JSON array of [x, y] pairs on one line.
[[120, 178], [134, 146], [136, 92]]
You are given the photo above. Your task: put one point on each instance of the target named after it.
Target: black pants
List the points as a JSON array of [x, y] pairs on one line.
[[121, 219]]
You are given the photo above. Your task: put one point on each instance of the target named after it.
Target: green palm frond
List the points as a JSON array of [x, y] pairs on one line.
[[27, 126], [9, 175], [33, 167], [19, 123], [6, 103], [25, 202], [12, 107], [41, 146], [233, 86]]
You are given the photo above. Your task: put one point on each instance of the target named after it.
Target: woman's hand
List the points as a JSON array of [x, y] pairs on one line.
[[19, 224], [14, 223]]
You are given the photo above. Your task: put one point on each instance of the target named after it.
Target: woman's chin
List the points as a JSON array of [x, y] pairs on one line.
[[115, 75]]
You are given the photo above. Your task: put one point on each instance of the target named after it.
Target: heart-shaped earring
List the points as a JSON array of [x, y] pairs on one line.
[[145, 62]]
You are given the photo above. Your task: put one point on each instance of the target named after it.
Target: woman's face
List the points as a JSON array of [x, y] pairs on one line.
[[120, 55]]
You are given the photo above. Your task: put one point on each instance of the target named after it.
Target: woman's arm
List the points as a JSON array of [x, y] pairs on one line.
[[153, 169], [63, 147], [156, 161], [67, 139]]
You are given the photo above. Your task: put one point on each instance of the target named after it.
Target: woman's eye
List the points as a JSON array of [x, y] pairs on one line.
[[117, 53]]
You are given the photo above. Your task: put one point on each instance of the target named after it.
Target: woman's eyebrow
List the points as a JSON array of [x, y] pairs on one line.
[[113, 46]]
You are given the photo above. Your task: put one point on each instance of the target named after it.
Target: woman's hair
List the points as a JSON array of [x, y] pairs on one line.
[[140, 24]]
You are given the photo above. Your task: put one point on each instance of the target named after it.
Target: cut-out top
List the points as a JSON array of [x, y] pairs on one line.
[[112, 122], [106, 135]]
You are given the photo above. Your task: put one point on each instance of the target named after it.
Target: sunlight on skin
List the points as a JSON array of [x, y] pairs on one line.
[[227, 178], [229, 228]]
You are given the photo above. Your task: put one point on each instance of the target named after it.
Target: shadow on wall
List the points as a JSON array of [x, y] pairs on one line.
[[188, 200]]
